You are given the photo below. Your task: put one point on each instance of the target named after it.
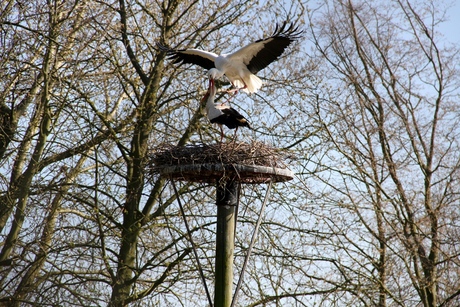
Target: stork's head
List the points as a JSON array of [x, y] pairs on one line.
[[214, 73]]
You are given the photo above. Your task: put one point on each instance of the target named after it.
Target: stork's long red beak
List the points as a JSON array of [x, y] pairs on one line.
[[205, 96], [211, 85]]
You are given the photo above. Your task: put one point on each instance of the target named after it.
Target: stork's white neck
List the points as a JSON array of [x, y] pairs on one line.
[[211, 109]]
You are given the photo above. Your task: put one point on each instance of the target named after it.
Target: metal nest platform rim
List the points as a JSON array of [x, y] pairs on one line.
[[210, 173]]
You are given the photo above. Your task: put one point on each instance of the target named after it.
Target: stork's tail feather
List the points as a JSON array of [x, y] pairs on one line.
[[248, 84], [244, 123], [252, 84]]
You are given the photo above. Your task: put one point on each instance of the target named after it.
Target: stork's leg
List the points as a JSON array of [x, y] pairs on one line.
[[235, 90], [233, 93], [234, 135], [221, 133]]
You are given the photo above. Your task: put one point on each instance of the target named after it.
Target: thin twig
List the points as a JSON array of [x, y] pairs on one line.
[[253, 240], [193, 244]]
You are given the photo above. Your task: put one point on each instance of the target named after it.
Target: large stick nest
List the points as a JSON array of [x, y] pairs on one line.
[[249, 163]]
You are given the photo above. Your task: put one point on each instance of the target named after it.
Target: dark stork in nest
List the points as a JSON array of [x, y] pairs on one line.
[[222, 114], [240, 66]]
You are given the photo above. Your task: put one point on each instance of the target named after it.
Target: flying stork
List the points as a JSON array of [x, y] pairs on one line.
[[222, 114], [240, 66]]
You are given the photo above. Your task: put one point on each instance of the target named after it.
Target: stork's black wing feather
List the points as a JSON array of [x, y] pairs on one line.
[[274, 46], [188, 56], [235, 119]]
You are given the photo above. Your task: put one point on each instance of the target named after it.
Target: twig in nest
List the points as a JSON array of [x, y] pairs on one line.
[[255, 153]]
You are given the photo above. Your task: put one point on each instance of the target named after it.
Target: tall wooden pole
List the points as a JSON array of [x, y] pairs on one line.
[[226, 201]]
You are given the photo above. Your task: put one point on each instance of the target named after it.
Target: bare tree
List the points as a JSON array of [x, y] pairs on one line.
[[390, 162], [85, 98], [367, 116]]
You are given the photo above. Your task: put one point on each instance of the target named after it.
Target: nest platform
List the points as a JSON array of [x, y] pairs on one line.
[[246, 163]]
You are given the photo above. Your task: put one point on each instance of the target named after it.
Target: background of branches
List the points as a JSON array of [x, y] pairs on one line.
[[366, 105]]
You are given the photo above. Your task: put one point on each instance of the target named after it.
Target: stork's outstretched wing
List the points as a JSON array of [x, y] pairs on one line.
[[198, 57], [261, 53]]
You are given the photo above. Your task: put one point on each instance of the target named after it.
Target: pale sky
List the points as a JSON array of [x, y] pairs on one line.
[[452, 28]]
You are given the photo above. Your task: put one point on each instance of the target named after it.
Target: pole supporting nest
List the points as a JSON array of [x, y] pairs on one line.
[[226, 201], [227, 165]]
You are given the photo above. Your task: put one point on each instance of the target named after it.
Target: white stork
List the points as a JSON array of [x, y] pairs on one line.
[[241, 66], [222, 114]]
